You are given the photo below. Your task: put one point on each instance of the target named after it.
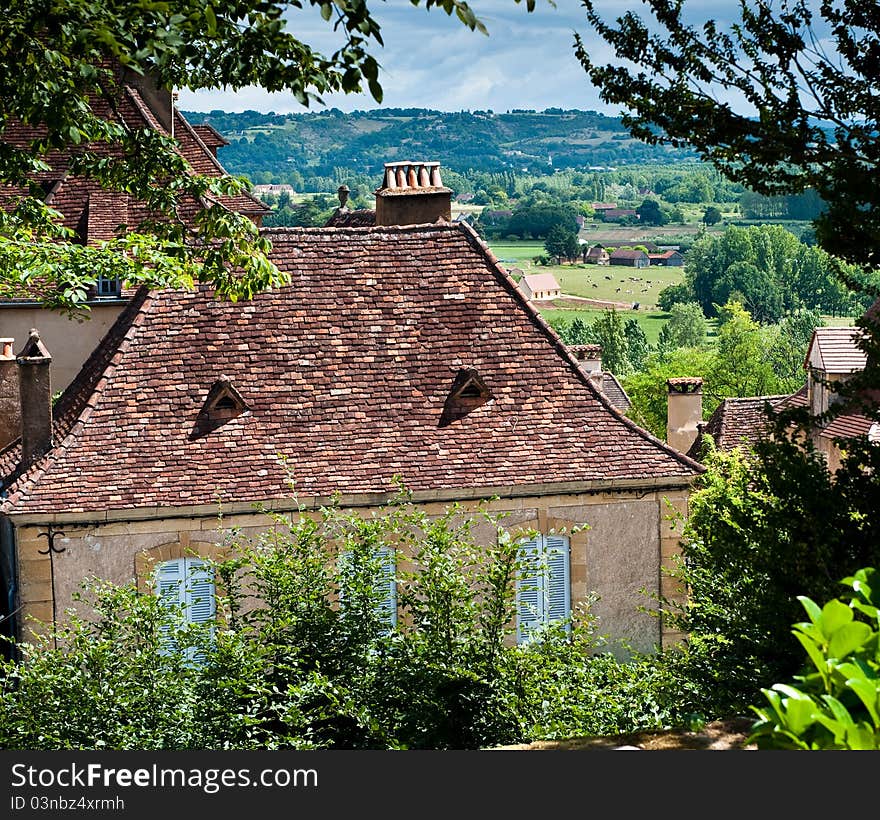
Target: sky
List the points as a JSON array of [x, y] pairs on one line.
[[431, 60]]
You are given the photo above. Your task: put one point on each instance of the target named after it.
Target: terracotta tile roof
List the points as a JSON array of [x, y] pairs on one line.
[[848, 426], [737, 422], [344, 218], [837, 349], [345, 372], [71, 196], [798, 399], [83, 390]]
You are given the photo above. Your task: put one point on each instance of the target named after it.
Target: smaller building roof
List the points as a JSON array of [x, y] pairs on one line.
[[628, 254], [344, 218], [540, 281], [836, 350], [737, 422]]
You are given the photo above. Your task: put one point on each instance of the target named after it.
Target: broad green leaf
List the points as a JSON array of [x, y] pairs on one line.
[[834, 615], [848, 638]]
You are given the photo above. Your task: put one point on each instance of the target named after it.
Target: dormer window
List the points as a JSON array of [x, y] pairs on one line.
[[222, 404], [108, 287], [468, 392]]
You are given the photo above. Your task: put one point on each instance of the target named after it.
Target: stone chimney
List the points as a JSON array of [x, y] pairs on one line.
[[590, 361], [10, 405], [159, 100], [684, 412], [412, 193], [36, 399]]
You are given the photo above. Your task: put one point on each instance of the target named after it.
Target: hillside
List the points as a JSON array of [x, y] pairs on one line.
[[272, 147]]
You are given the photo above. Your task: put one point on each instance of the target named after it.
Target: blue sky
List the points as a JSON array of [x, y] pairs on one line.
[[432, 61]]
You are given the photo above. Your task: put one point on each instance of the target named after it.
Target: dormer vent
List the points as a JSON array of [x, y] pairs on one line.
[[222, 404], [468, 392]]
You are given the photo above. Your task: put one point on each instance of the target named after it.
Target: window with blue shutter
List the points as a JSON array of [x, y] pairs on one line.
[[385, 584], [187, 586], [543, 584]]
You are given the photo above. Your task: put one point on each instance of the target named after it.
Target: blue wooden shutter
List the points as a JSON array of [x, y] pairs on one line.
[[558, 601], [387, 587], [170, 589], [529, 588], [200, 603]]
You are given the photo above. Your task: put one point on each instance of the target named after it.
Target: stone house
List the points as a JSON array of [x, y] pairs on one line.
[[834, 355], [540, 286], [596, 255], [399, 350], [95, 215]]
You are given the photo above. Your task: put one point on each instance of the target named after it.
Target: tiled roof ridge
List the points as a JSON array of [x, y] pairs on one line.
[[133, 317], [209, 154], [556, 340], [135, 96], [151, 120]]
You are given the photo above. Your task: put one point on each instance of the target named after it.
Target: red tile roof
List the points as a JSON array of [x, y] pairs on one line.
[[345, 373], [737, 422], [72, 195]]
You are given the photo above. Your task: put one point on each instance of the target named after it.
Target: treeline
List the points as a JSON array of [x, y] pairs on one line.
[[273, 148], [769, 271]]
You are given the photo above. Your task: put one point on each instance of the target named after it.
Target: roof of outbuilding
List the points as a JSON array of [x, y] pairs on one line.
[[737, 422], [541, 281], [358, 218], [345, 374], [837, 349]]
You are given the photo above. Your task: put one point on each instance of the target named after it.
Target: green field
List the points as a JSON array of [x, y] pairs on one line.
[[651, 322], [614, 283]]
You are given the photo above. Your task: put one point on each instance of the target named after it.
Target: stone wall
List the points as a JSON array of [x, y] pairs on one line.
[[619, 542]]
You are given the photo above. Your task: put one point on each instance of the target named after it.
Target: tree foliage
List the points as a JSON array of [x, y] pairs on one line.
[[806, 76], [62, 71]]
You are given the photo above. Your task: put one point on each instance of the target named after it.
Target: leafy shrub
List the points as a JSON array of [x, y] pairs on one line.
[[836, 704], [303, 655]]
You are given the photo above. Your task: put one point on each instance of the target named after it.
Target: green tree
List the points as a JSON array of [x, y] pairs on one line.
[[650, 213], [711, 216], [637, 347], [562, 243], [673, 294], [609, 331], [686, 327], [62, 71], [785, 141]]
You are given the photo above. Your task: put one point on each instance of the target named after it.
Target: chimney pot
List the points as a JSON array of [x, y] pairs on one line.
[[406, 199]]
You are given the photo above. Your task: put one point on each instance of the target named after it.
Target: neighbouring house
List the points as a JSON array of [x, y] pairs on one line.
[[632, 258], [95, 215], [597, 255], [617, 214], [671, 259], [589, 359], [540, 286], [600, 207], [834, 355], [397, 351], [271, 189]]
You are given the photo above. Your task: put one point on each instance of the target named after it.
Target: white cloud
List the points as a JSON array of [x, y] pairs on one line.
[[430, 60]]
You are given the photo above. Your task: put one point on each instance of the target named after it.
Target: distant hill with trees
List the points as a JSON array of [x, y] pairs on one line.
[[270, 147]]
